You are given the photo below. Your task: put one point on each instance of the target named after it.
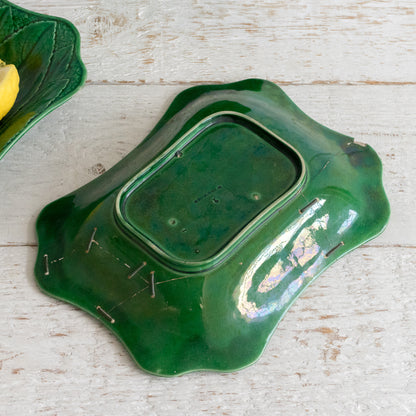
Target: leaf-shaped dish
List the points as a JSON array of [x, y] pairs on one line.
[[192, 248], [46, 53]]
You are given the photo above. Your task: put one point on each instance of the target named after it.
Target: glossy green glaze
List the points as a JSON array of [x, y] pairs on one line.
[[45, 51], [193, 228], [193, 247]]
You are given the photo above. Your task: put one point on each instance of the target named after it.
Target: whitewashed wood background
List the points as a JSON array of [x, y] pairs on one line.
[[348, 346]]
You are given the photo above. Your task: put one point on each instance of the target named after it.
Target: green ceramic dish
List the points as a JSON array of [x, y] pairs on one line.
[[193, 247], [45, 51]]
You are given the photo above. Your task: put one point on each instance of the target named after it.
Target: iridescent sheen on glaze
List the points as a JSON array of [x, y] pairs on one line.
[[193, 247]]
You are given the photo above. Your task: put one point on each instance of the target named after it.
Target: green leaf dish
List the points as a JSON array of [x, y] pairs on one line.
[[45, 51], [192, 248]]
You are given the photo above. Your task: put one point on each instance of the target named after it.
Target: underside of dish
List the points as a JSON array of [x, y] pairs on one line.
[[193, 247]]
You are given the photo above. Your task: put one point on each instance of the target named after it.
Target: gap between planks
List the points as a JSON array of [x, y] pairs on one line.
[[406, 246], [141, 83], [19, 245]]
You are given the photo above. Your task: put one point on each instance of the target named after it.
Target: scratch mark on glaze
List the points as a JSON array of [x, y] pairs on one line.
[[91, 240], [128, 298], [172, 280], [105, 314], [152, 277], [114, 257], [334, 249], [137, 270], [323, 167], [45, 258], [56, 260], [313, 202]]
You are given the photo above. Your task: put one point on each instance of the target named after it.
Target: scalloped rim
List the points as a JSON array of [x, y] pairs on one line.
[[44, 113], [187, 96]]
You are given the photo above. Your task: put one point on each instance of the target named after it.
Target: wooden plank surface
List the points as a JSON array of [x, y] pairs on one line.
[[305, 41], [101, 124], [348, 345]]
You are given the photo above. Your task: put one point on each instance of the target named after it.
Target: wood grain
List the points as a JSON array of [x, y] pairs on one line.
[[101, 124], [346, 347], [165, 42]]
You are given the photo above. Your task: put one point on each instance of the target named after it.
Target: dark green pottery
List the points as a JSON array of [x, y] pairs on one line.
[[45, 51], [193, 247]]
